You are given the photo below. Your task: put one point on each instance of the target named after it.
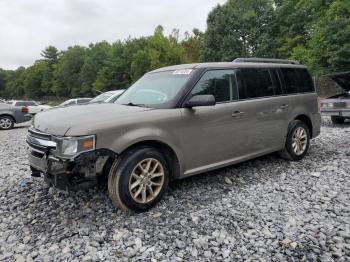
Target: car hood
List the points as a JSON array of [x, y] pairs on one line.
[[58, 121], [342, 79]]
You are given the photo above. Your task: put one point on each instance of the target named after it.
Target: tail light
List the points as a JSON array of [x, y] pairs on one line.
[[25, 109]]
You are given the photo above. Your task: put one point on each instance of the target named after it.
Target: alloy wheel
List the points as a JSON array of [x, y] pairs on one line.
[[299, 141], [5, 123], [146, 180]]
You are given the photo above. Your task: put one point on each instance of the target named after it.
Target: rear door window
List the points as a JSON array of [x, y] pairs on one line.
[[219, 83], [256, 82], [276, 82], [297, 80]]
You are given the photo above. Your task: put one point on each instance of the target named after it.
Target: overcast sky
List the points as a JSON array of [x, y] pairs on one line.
[[28, 26]]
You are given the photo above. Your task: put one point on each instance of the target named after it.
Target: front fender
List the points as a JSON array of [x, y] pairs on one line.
[[128, 138]]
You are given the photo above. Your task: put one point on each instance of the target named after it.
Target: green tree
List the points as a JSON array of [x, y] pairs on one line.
[[15, 82], [292, 23], [192, 46], [329, 48], [3, 76], [116, 73], [240, 29], [112, 75], [159, 51], [51, 56], [32, 79], [67, 72], [95, 58]]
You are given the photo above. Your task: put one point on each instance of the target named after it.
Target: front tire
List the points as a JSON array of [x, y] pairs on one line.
[[337, 120], [6, 123], [297, 142], [138, 179]]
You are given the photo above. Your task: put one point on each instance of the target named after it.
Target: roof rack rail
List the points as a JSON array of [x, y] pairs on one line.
[[265, 60]]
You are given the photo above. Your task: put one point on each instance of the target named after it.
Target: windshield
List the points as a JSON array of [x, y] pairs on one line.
[[68, 102], [155, 89], [101, 97]]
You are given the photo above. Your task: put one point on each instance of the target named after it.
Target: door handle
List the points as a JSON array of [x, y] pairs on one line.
[[284, 106], [237, 114]]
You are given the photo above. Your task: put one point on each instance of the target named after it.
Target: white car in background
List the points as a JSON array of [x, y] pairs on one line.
[[108, 97], [30, 107], [75, 101]]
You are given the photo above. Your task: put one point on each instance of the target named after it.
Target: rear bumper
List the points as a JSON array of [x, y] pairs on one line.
[[336, 112], [316, 125]]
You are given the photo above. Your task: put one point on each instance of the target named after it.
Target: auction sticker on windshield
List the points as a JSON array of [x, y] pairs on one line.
[[182, 72]]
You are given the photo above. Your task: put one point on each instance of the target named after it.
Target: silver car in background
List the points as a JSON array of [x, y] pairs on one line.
[[33, 107], [75, 101], [11, 115]]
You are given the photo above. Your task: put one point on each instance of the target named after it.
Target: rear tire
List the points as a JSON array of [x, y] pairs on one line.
[[6, 123], [138, 179], [337, 120], [297, 141]]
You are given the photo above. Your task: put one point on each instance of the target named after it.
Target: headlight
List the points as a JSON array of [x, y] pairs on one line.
[[71, 146]]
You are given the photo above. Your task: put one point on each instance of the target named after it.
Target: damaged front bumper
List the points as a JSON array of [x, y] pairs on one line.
[[80, 172]]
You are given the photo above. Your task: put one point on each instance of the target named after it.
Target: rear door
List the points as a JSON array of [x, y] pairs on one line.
[[264, 110]]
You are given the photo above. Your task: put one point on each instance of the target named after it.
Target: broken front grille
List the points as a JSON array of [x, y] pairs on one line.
[[40, 142]]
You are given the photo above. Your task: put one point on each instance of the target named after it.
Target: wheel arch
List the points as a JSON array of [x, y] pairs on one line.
[[8, 115], [307, 121], [170, 155]]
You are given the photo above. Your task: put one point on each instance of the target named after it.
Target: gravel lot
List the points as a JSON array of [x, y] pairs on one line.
[[266, 209]]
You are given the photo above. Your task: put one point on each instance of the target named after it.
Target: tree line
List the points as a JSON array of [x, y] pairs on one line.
[[315, 32]]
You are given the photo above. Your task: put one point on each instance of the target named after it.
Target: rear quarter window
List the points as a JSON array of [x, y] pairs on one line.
[[297, 80]]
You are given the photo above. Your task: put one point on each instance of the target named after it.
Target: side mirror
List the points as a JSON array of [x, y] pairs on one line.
[[201, 100]]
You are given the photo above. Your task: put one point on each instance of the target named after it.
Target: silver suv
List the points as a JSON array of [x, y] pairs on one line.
[[177, 122]]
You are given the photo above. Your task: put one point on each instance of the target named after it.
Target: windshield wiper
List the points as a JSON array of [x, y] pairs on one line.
[[132, 104]]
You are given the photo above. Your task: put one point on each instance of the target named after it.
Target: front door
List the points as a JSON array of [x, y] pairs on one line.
[[212, 135]]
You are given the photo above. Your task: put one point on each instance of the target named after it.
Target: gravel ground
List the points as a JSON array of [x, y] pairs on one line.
[[267, 209]]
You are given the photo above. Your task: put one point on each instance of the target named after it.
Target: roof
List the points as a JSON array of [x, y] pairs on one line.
[[228, 65]]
